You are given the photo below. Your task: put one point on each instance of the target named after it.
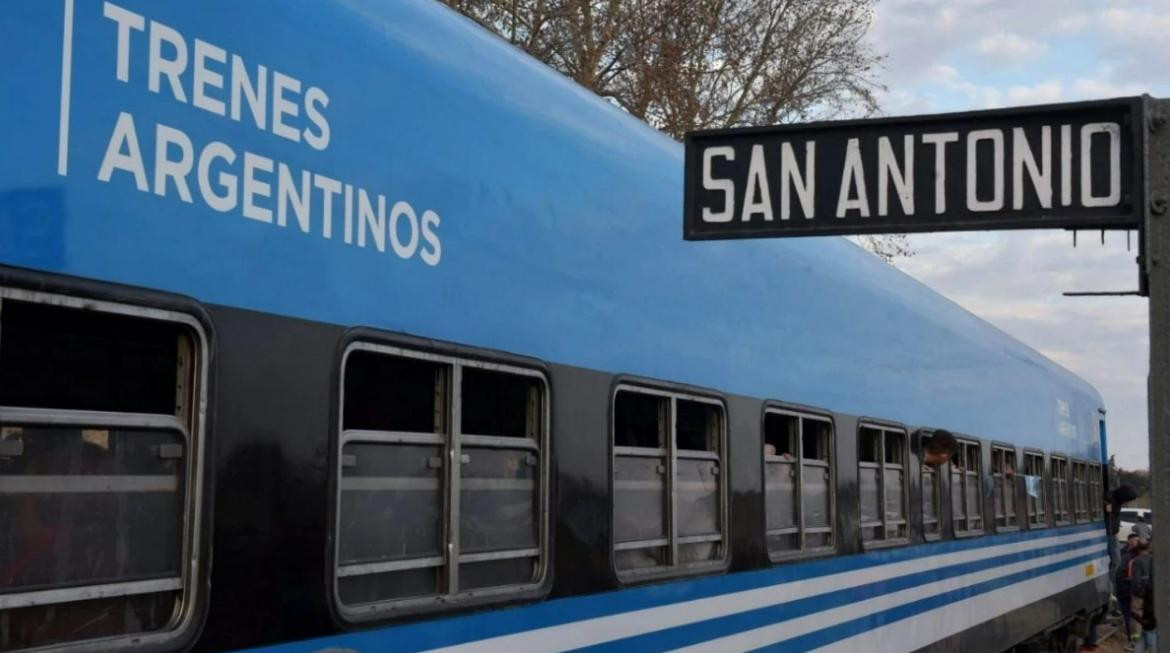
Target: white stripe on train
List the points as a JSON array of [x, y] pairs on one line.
[[610, 628], [781, 631], [931, 626]]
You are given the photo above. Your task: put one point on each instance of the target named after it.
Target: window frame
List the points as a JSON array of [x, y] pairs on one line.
[[924, 469], [996, 478], [1096, 485], [192, 425], [965, 443], [1065, 489], [673, 394], [882, 466], [801, 413], [1080, 490], [1044, 509], [453, 439]]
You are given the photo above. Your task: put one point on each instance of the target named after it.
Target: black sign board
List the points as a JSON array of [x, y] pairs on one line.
[[1054, 166]]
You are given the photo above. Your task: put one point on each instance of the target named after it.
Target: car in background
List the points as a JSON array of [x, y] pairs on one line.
[[1129, 517]]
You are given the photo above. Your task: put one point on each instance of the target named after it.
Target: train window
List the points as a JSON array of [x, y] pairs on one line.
[[816, 483], [413, 528], [1096, 500], [501, 421], [1003, 474], [697, 496], [1060, 501], [641, 421], [798, 482], [1034, 489], [394, 394], [669, 496], [1080, 492], [883, 486], [101, 422], [966, 490]]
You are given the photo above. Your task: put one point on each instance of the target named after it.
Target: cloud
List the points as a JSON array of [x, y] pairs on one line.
[[1015, 279], [1097, 88], [1008, 48], [917, 35], [1137, 23], [950, 55], [982, 97], [1133, 43], [1072, 23], [898, 102], [1041, 93]]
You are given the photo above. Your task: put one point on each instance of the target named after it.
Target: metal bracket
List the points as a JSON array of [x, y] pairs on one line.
[[172, 451], [1158, 205], [1102, 293]]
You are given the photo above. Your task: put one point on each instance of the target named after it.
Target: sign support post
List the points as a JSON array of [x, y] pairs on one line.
[[1156, 263]]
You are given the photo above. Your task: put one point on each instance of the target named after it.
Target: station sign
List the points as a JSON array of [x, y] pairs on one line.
[[1065, 166]]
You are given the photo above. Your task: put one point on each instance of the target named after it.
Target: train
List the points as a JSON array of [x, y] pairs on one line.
[[346, 326]]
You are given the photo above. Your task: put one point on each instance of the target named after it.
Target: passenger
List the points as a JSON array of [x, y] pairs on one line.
[[1142, 528], [1148, 641], [1143, 591], [1114, 500], [1007, 470], [1140, 567], [770, 451], [939, 448], [1123, 589]]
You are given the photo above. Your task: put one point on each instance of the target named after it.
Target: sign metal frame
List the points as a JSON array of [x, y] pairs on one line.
[[1128, 215]]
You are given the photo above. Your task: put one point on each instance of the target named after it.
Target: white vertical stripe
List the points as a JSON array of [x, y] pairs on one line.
[[66, 85]]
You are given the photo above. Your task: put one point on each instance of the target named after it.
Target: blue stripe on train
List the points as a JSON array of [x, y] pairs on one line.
[[871, 621], [742, 621], [456, 630]]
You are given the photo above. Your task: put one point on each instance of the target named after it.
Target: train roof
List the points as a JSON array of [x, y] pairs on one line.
[[558, 219]]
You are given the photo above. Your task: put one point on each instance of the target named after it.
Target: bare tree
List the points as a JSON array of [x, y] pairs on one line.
[[682, 65], [887, 246]]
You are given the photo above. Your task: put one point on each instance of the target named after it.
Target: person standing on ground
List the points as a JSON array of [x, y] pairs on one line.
[[1142, 578], [1114, 500], [1122, 587], [1142, 529]]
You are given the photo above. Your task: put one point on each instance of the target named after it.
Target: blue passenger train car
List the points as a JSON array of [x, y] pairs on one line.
[[343, 325]]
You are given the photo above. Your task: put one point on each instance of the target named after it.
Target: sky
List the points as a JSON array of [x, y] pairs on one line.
[[957, 55]]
